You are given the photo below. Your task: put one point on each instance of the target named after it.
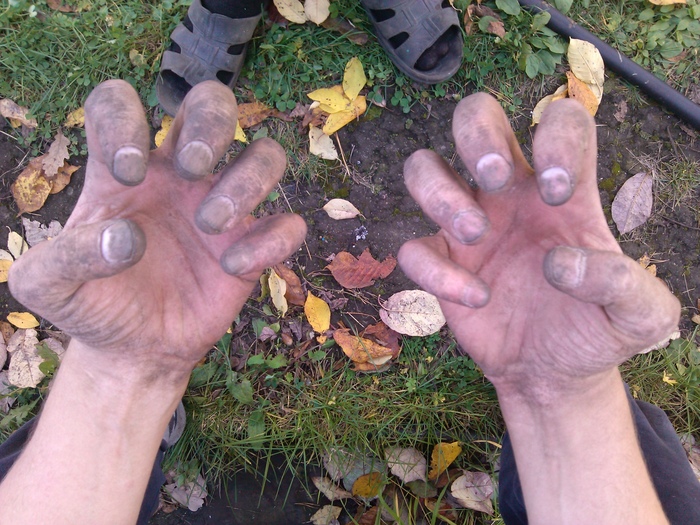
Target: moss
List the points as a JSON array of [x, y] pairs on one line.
[[608, 184], [372, 113], [616, 169]]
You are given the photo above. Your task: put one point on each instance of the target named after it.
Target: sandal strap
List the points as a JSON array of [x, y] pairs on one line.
[[220, 28]]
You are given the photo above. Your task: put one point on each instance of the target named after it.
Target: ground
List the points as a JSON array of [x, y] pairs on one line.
[[646, 138]]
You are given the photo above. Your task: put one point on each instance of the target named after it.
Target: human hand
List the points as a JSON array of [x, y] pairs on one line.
[[529, 277], [159, 255]]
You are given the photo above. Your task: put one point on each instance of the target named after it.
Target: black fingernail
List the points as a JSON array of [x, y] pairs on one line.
[[565, 266], [555, 186], [194, 161], [129, 165], [117, 243], [235, 262], [493, 171], [469, 226], [476, 296], [215, 214]]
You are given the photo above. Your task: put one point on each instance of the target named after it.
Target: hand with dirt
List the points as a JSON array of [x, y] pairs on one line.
[[150, 270], [538, 293], [159, 254]]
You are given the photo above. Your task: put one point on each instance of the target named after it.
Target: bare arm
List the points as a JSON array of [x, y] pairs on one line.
[[537, 291], [146, 279]]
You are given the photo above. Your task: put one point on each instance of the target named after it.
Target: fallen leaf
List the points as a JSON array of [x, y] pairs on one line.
[[58, 6], [344, 27], [31, 189], [5, 388], [337, 120], [696, 319], [442, 457], [240, 134], [473, 490], [317, 10], [354, 78], [4, 269], [329, 489], [368, 486], [586, 63], [278, 287], [413, 312], [444, 511], [190, 495], [447, 477], [75, 119], [667, 2], [338, 462], [339, 209], [318, 313], [22, 320], [36, 232], [495, 24], [581, 92], [360, 273], [331, 99], [561, 92], [16, 244], [6, 256], [326, 515], [422, 489], [63, 177], [56, 156], [366, 517], [10, 110], [6, 330], [3, 353], [633, 203], [137, 59], [539, 109], [645, 262], [163, 131], [24, 371], [292, 10], [407, 464], [620, 111], [295, 293], [361, 350], [321, 144], [385, 336], [252, 113], [667, 379]]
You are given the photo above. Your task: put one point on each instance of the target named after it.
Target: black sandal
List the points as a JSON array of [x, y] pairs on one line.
[[205, 46], [422, 37]]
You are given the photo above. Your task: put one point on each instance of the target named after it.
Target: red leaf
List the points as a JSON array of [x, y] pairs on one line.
[[360, 273]]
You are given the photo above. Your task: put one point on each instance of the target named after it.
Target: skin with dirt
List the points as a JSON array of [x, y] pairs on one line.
[[646, 138]]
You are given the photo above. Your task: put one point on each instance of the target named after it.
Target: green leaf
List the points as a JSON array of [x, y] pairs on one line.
[[50, 358], [256, 360], [647, 14], [258, 324], [317, 355], [563, 5], [256, 428], [540, 20], [509, 7], [484, 22], [224, 344], [532, 65], [695, 11], [203, 374], [422, 489], [241, 391], [278, 361]]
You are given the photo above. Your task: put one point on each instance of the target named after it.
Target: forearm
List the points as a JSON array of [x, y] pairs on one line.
[[93, 449], [578, 457]]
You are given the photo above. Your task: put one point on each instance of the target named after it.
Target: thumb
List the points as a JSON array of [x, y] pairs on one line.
[[639, 306], [45, 278]]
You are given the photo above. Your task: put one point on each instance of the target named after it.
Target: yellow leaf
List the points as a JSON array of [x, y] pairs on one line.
[[317, 10], [342, 118], [4, 268], [360, 349], [278, 287], [561, 92], [16, 244], [667, 379], [75, 119], [321, 144], [667, 2], [318, 313], [13, 111], [240, 134], [163, 131], [539, 109], [354, 79], [582, 93], [368, 485], [22, 319], [442, 457], [31, 189], [332, 99], [696, 319], [63, 176], [586, 62], [292, 10]]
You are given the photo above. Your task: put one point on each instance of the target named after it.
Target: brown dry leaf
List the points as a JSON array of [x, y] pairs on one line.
[[3, 354], [278, 287], [442, 457], [252, 113], [446, 511], [317, 10], [368, 486], [633, 203], [495, 26], [63, 177], [385, 336], [581, 92], [696, 318], [620, 111], [344, 27], [4, 269], [22, 320], [25, 360], [58, 6], [190, 495], [413, 312], [56, 156], [366, 517], [329, 489], [473, 490], [318, 313], [326, 515], [6, 330], [360, 273], [361, 350], [12, 111], [321, 144], [295, 293], [37, 232], [645, 262], [407, 464], [31, 189], [447, 477]]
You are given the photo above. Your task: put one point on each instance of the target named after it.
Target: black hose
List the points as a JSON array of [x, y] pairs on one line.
[[623, 66]]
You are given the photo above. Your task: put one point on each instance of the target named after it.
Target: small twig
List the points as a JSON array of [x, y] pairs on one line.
[[680, 223], [673, 143], [291, 210], [342, 156]]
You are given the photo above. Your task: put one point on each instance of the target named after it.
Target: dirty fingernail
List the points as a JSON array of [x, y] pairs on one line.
[[565, 266], [555, 186], [469, 226], [476, 296], [120, 242], [493, 171], [129, 166], [194, 160], [235, 261], [215, 214]]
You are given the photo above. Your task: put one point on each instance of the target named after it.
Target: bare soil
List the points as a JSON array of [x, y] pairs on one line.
[[375, 150]]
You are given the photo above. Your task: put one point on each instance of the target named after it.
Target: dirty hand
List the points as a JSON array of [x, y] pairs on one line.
[[529, 277], [159, 255]]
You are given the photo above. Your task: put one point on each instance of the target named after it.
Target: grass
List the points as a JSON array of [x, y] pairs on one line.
[[241, 414]]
